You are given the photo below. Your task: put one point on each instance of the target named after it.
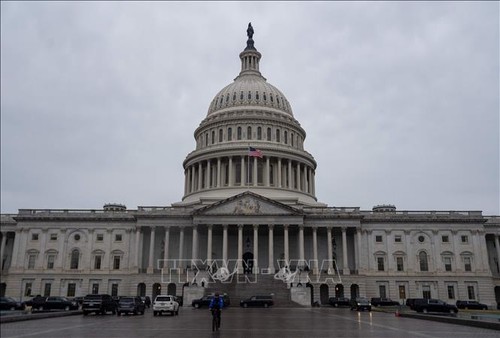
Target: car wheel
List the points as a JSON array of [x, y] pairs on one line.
[[85, 313], [336, 305], [154, 313], [452, 311], [265, 305], [196, 306], [12, 308], [177, 312], [424, 310], [66, 308], [245, 305]]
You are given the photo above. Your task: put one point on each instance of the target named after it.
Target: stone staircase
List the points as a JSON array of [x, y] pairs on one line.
[[239, 289]]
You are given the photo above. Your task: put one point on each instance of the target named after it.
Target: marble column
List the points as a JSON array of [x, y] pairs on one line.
[[41, 259], [218, 173], [256, 248], [297, 175], [200, 176], [15, 250], [254, 179], [137, 248], [151, 250], [315, 250], [181, 248], [209, 244], [194, 249], [330, 250], [268, 180], [301, 246], [358, 250], [345, 263], [271, 249], [209, 177], [279, 173], [240, 248], [224, 243], [2, 248], [497, 245], [166, 247], [290, 184], [286, 244], [192, 178], [230, 175], [90, 242], [242, 169]]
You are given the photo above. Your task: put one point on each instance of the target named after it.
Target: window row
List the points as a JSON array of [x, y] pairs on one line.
[[70, 290], [74, 263], [421, 239], [249, 133], [77, 237], [269, 98], [423, 263]]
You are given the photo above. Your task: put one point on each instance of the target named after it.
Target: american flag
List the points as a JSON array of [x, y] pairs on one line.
[[252, 152]]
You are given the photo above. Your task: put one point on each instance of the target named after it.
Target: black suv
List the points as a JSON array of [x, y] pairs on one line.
[[383, 302], [264, 301], [36, 303], [471, 304], [433, 305], [130, 305], [339, 301], [98, 304], [360, 304]]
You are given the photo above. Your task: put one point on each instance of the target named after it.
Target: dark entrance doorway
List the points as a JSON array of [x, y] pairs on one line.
[[156, 290], [324, 294], [3, 286], [339, 290], [354, 291], [141, 290], [171, 289], [247, 262]]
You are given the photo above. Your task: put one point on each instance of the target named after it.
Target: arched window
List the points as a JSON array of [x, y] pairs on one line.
[[422, 257], [75, 258], [285, 134], [220, 135], [229, 134], [206, 139], [291, 138], [249, 133], [213, 136], [259, 133], [278, 138], [269, 134], [239, 133]]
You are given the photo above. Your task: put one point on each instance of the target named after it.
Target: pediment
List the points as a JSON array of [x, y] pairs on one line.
[[248, 203]]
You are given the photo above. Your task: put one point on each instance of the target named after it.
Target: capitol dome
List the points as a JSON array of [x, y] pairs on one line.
[[249, 113]]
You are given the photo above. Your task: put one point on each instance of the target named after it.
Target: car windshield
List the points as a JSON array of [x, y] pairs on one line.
[[91, 297], [162, 299], [127, 300]]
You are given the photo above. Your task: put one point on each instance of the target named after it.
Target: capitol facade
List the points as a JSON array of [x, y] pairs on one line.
[[250, 222]]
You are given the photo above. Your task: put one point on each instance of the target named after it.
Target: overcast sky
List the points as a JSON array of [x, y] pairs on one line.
[[400, 101]]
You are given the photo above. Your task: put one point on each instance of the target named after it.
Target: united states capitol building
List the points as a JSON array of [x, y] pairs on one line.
[[253, 212]]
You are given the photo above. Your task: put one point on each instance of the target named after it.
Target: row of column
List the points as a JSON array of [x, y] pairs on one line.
[[208, 174], [270, 227]]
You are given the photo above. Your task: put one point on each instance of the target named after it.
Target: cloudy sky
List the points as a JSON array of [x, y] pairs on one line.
[[400, 101]]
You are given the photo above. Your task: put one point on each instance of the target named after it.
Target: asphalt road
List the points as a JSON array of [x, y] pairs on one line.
[[239, 322]]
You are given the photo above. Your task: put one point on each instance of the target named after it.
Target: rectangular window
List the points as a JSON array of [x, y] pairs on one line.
[[100, 237], [426, 292], [97, 262], [399, 264], [27, 289], [95, 289], [451, 292], [470, 292], [381, 291], [34, 237], [467, 264], [465, 239], [71, 290], [445, 239], [402, 292], [397, 238], [378, 239], [50, 261], [53, 237], [118, 237], [31, 261], [116, 262], [46, 289], [114, 290], [380, 263], [447, 263]]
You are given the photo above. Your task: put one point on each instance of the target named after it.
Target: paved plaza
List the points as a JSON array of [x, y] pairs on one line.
[[239, 322]]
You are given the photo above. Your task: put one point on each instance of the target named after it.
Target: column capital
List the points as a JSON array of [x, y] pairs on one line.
[[210, 226], [314, 227], [91, 231], [224, 226], [255, 226], [195, 227], [109, 231], [270, 226], [343, 228], [45, 230], [286, 226], [240, 226]]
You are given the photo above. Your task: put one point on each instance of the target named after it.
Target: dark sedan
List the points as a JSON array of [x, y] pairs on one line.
[[264, 301], [384, 302], [361, 304], [339, 301], [128, 305], [59, 303], [434, 305], [9, 303], [36, 303], [471, 304]]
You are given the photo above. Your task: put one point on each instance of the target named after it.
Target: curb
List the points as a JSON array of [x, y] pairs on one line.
[[20, 318]]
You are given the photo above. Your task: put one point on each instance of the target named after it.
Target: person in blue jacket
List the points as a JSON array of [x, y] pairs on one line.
[[216, 304]]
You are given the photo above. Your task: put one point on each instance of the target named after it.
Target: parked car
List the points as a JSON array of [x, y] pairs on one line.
[[165, 303], [98, 304], [59, 303], [433, 305], [79, 300], [147, 301], [36, 303], [471, 304], [339, 301], [205, 301], [130, 305], [361, 304], [9, 303], [410, 302], [264, 301], [383, 302]]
